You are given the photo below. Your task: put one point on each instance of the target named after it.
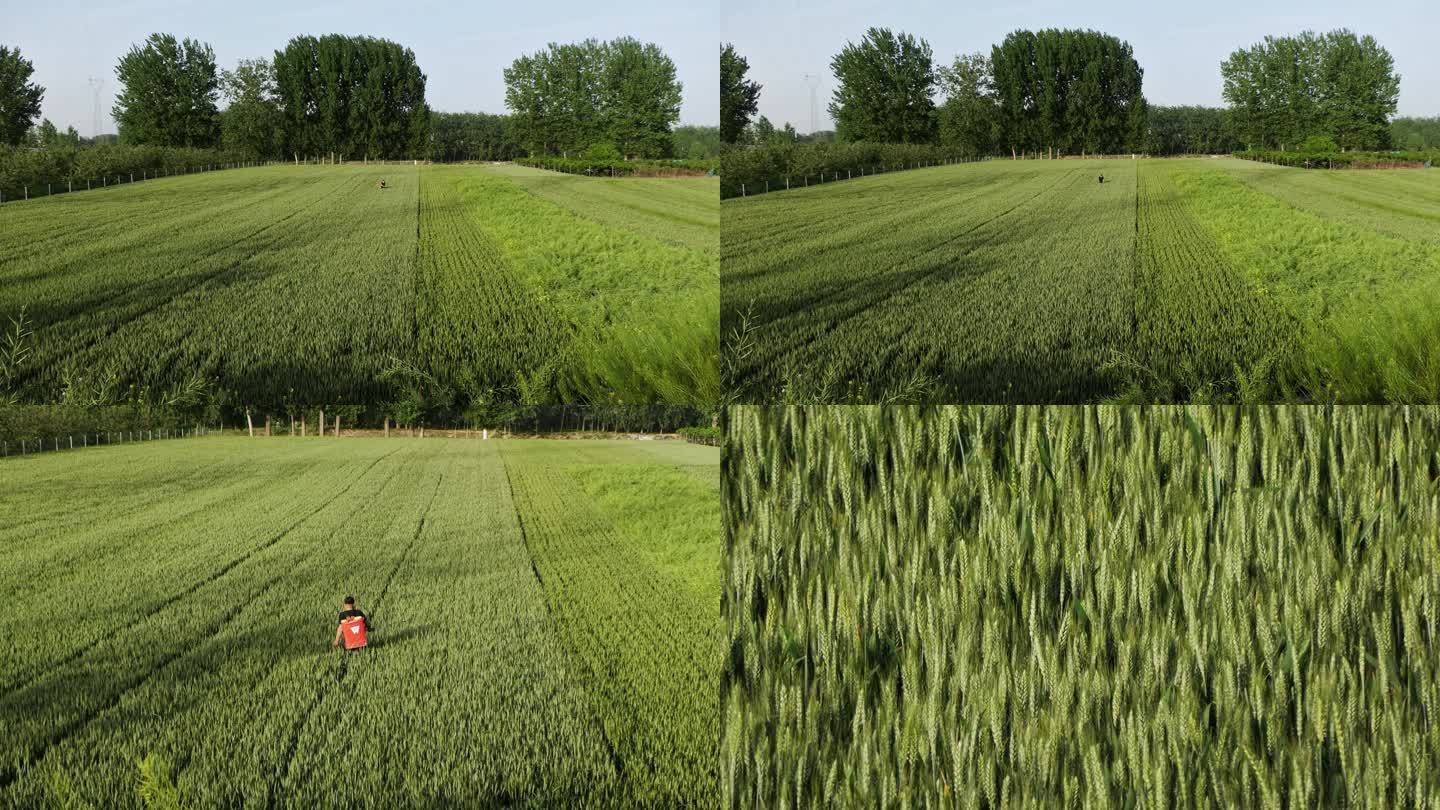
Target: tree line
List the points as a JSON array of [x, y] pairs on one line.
[[363, 96], [1056, 91], [1077, 92], [485, 136]]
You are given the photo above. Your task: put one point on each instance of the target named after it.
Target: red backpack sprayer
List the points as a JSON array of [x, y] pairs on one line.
[[352, 628]]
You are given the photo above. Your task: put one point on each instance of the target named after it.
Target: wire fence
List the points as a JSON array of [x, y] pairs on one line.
[[70, 186], [57, 444], [36, 191], [785, 182]]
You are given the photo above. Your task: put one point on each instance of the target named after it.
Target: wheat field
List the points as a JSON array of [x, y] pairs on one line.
[[1081, 607]]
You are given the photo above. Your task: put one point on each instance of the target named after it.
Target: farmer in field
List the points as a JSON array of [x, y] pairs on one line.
[[353, 627]]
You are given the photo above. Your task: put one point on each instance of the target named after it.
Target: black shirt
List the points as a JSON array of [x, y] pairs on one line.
[[352, 613]]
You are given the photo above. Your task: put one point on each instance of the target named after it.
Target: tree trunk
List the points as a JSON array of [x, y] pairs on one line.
[[249, 426], [267, 425], [336, 434], [387, 427], [1013, 156], [322, 423]]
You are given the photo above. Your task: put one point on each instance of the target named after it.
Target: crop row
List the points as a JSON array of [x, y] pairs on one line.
[[1081, 606], [645, 645]]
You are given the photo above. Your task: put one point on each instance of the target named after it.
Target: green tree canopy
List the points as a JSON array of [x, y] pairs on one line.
[[886, 88], [169, 90], [252, 122], [473, 136], [1415, 133], [19, 97], [1286, 89], [970, 116], [1190, 130], [697, 142], [353, 96], [739, 97], [1069, 91], [569, 97]]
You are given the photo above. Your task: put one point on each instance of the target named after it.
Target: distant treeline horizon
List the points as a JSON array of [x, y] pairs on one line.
[[1077, 92], [357, 97]]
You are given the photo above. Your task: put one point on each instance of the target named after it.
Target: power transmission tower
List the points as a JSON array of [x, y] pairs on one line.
[[95, 86], [814, 81]]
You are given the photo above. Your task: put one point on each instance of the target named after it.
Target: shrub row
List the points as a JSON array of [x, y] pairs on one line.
[[619, 168], [700, 435], [25, 166], [1341, 160], [52, 421], [752, 166]]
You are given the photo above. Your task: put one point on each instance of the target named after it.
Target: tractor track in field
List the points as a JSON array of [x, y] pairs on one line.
[[288, 759], [68, 730], [616, 760]]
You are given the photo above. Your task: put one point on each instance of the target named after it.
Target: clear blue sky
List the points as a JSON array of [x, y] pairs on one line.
[[1179, 47], [461, 46]]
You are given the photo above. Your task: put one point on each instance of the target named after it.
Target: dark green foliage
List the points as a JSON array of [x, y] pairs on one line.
[[1285, 89], [352, 96], [701, 435], [252, 123], [615, 167], [472, 136], [48, 136], [1320, 157], [567, 97], [169, 90], [1189, 130], [783, 157], [19, 97], [739, 97], [885, 91], [1415, 134], [696, 142], [56, 164], [1068, 91], [970, 117]]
